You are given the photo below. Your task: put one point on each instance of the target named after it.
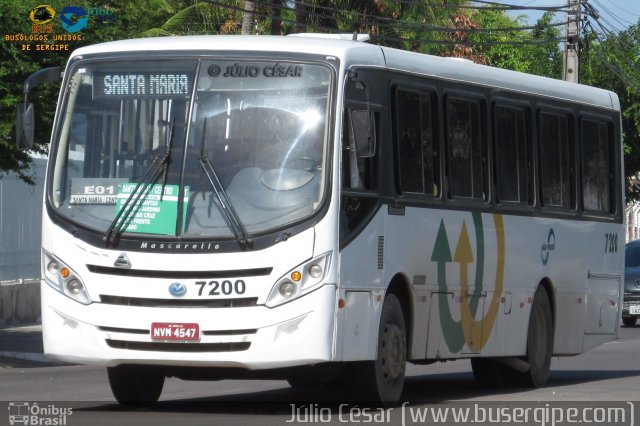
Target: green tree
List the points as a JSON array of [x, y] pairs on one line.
[[132, 19], [613, 63], [16, 64], [531, 50]]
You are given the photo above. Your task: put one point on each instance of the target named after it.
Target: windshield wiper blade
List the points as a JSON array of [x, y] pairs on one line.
[[230, 213], [141, 191], [238, 228]]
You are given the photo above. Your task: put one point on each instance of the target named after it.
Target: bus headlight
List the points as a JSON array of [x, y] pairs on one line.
[[287, 289], [300, 280], [62, 278]]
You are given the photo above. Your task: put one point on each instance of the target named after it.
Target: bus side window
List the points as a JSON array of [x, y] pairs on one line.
[[465, 149], [418, 156], [596, 166], [555, 160], [358, 173], [512, 154]]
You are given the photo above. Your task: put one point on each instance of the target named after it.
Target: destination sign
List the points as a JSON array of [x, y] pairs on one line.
[[157, 212], [141, 84], [91, 191]]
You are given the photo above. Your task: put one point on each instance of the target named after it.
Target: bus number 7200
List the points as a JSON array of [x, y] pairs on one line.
[[225, 287]]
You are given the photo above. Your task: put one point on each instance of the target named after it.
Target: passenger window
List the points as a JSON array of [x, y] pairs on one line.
[[555, 160], [596, 166], [512, 154], [465, 149], [418, 159]]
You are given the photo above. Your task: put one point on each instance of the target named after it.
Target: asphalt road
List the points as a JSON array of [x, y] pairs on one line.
[[604, 377]]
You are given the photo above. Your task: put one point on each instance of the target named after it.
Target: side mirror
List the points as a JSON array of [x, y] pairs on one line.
[[25, 126], [363, 132]]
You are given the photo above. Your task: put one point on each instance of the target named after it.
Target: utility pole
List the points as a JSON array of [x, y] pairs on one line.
[[570, 68]]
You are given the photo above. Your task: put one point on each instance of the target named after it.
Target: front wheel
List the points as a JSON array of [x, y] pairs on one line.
[[136, 384], [382, 380]]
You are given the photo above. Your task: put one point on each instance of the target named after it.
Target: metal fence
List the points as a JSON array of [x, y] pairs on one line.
[[20, 233], [21, 225]]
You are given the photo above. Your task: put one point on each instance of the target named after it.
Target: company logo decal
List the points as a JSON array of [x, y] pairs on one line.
[[42, 14], [122, 261], [74, 19], [177, 289], [475, 333], [548, 247]]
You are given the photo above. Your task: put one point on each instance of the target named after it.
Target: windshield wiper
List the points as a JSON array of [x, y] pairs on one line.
[[230, 213], [141, 191]]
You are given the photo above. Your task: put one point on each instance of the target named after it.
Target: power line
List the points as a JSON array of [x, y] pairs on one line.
[[622, 22], [617, 17], [615, 43], [377, 20], [394, 24], [624, 10], [494, 6]]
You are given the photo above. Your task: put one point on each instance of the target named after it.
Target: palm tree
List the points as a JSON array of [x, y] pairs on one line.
[[248, 18]]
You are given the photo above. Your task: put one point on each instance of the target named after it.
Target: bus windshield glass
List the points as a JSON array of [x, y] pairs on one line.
[[242, 146]]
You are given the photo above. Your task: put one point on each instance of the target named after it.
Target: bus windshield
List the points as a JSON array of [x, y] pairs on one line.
[[244, 146]]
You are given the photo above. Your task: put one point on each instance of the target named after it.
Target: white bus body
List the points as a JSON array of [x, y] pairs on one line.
[[464, 268]]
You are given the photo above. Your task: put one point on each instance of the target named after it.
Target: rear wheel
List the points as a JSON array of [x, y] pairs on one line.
[[136, 384], [382, 380], [539, 345], [629, 321]]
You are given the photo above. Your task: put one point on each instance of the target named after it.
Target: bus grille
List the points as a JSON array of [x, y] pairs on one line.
[[179, 347], [144, 273], [204, 332], [179, 303]]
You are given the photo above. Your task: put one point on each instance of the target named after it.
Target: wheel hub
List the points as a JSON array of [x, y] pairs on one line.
[[393, 352]]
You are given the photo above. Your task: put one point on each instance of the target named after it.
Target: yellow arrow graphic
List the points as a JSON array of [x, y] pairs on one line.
[[476, 333]]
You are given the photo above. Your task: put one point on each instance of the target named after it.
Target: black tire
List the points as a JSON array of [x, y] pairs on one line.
[[539, 346], [382, 380], [136, 384], [629, 321], [487, 372]]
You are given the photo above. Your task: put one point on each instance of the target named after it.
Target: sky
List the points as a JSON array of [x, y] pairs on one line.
[[616, 15]]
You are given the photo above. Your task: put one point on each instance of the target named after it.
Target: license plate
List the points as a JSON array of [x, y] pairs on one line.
[[634, 310], [183, 332]]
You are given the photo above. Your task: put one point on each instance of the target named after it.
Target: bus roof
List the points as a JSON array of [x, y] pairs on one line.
[[358, 53]]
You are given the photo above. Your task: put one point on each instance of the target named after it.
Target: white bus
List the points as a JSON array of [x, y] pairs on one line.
[[314, 208]]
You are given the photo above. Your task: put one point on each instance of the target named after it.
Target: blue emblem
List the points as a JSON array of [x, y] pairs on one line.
[[74, 19], [177, 289], [548, 247]]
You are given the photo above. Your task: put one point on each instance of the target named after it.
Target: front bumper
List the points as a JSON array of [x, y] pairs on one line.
[[297, 333]]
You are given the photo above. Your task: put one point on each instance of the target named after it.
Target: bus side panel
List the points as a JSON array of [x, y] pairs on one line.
[[469, 290], [362, 287]]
